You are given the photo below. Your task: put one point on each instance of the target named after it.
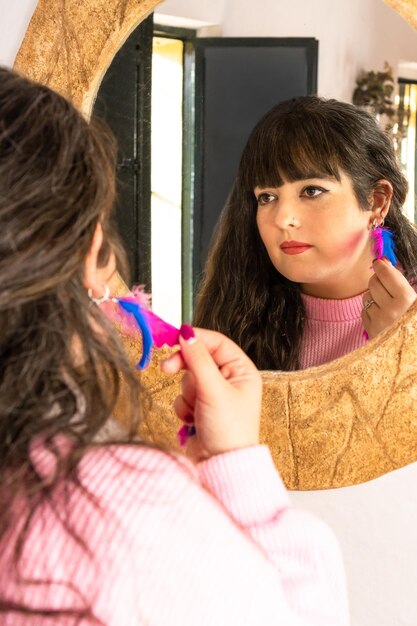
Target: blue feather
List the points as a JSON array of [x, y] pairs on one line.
[[388, 246], [134, 309]]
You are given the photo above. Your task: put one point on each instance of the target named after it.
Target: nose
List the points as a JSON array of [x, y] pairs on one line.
[[293, 222], [285, 216]]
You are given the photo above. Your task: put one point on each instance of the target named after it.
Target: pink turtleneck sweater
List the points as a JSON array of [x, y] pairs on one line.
[[158, 542], [333, 328]]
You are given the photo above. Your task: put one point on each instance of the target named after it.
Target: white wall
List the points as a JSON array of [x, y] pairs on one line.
[[207, 11], [353, 35], [15, 16], [376, 524]]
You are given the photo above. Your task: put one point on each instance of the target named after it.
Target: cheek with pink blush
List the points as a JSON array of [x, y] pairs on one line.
[[353, 243]]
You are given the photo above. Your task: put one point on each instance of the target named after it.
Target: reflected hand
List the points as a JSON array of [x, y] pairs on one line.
[[220, 393], [389, 296]]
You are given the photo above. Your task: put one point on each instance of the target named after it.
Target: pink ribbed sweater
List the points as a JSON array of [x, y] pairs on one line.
[[333, 328], [175, 545]]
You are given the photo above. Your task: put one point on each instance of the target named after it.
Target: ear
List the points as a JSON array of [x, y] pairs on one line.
[[380, 200], [92, 274]]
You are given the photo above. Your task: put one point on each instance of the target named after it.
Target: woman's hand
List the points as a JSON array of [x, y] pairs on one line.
[[220, 393], [390, 295]]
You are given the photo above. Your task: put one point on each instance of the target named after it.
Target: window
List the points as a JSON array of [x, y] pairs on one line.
[[405, 130]]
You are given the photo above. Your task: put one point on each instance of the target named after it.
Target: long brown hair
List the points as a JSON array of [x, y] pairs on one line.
[[57, 182], [241, 293]]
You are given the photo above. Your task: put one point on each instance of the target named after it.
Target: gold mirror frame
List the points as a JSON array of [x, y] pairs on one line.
[[339, 424], [69, 44]]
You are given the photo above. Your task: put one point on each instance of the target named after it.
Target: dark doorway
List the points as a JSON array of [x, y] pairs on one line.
[[239, 80]]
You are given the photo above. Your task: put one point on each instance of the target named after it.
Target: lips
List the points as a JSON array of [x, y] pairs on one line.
[[294, 247]]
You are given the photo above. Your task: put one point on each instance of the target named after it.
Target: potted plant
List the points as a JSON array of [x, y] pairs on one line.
[[374, 91]]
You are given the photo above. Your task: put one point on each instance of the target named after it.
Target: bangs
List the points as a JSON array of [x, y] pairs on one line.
[[295, 150]]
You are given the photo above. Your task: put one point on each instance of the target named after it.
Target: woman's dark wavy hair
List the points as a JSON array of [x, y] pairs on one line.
[[57, 182], [242, 294]]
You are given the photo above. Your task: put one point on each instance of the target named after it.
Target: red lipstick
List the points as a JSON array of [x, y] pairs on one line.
[[294, 247]]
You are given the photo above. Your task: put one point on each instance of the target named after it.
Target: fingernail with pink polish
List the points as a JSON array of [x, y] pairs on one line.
[[187, 332]]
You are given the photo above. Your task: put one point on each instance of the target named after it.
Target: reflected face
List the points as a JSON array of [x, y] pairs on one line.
[[316, 234]]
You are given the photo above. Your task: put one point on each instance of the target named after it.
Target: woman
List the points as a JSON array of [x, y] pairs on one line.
[[291, 275], [118, 532]]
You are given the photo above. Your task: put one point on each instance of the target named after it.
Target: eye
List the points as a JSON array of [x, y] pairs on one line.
[[313, 191], [265, 198]]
